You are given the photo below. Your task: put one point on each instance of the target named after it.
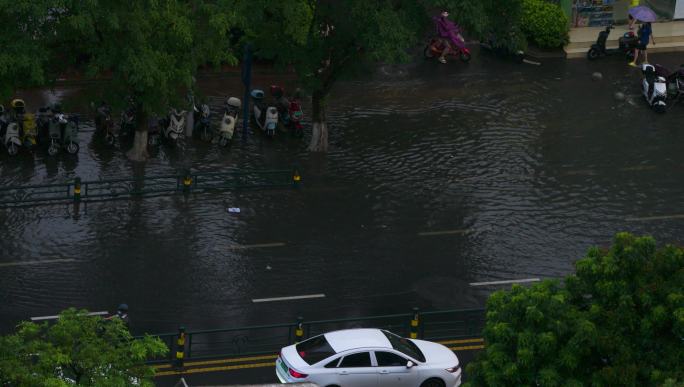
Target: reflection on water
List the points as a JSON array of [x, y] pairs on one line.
[[538, 163]]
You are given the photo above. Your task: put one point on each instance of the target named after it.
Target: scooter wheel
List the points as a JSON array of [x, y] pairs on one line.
[[593, 54], [12, 149], [152, 140], [109, 139], [223, 141], [72, 148], [427, 52], [465, 57], [53, 150]]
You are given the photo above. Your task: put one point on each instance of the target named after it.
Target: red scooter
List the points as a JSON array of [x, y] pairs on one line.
[[290, 111], [435, 47]]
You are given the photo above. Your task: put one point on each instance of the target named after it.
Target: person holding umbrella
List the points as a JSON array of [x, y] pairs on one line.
[[646, 16]]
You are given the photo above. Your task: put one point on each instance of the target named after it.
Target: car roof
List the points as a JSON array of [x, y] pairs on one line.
[[347, 339]]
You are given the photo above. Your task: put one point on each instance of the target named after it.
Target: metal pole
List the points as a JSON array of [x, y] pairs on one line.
[[247, 81]]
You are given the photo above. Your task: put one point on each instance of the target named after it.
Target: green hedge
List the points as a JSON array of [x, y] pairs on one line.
[[544, 23]]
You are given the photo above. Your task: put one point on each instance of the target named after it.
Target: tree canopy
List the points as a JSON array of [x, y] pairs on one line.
[[76, 349], [619, 321], [326, 40]]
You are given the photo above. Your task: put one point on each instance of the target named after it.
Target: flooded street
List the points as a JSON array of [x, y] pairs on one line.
[[438, 177]]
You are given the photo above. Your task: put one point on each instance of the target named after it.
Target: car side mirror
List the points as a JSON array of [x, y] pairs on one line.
[[410, 364]]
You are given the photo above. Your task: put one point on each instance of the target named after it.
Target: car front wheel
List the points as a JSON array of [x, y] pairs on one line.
[[434, 382]]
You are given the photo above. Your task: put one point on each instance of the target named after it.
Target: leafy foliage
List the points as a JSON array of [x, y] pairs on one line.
[[76, 349], [498, 22], [24, 59], [545, 23], [618, 321]]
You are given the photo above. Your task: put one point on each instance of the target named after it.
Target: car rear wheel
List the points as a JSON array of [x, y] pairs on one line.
[[434, 382]]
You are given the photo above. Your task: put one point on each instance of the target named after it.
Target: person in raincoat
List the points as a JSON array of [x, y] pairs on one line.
[[449, 33]]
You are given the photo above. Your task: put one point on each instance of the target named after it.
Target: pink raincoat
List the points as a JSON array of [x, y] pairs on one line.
[[449, 30]]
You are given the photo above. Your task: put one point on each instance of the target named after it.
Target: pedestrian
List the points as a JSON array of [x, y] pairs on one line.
[[122, 314], [449, 34], [630, 25], [645, 36]]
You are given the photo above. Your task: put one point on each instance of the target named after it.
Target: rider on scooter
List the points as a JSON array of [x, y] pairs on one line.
[[449, 33]]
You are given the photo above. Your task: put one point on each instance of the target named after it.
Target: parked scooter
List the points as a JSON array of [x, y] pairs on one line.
[[265, 116], [29, 135], [675, 79], [626, 45], [104, 124], [654, 88], [289, 111], [63, 134], [9, 132], [202, 121], [227, 126], [170, 129], [127, 126]]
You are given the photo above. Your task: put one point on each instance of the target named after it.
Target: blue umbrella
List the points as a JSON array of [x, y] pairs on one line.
[[643, 13]]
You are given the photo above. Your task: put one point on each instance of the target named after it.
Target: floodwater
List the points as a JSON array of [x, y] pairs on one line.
[[535, 163]]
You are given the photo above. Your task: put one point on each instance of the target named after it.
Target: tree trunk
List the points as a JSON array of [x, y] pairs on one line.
[[139, 150], [319, 137]]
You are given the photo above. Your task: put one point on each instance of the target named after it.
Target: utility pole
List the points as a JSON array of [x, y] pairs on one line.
[[247, 81]]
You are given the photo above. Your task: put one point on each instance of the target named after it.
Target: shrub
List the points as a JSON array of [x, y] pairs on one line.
[[544, 23]]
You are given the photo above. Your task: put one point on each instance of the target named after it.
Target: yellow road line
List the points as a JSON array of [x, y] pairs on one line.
[[462, 341], [272, 364], [221, 361], [216, 369], [467, 348]]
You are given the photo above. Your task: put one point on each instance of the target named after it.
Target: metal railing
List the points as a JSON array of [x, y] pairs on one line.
[[187, 182], [269, 339]]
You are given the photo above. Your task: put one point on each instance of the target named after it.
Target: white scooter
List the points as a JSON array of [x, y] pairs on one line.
[[230, 116], [265, 116], [654, 88], [10, 139], [171, 128]]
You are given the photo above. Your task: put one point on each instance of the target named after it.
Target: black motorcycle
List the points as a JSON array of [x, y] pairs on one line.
[[626, 45]]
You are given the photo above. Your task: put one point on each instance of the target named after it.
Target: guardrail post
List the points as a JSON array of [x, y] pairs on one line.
[[299, 330], [415, 323], [296, 178], [187, 181], [77, 189], [180, 348]]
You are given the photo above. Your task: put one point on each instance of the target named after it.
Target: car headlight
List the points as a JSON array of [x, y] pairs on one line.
[[454, 369]]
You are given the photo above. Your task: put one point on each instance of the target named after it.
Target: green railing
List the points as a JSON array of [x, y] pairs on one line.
[[269, 339], [187, 182]]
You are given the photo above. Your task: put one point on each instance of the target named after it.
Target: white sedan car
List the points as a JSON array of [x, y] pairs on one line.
[[368, 358]]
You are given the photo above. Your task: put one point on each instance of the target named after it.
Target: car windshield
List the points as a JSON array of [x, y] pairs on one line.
[[405, 346], [315, 349]]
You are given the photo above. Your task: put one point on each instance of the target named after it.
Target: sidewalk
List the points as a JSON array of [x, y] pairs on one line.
[[669, 37]]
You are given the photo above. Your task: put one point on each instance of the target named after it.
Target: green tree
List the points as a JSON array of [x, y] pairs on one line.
[[148, 50], [495, 20], [24, 59], [77, 349], [326, 40], [619, 321]]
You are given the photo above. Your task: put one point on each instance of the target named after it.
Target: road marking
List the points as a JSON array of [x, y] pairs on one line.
[[304, 297], [647, 218], [215, 369], [221, 361], [467, 348], [256, 246], [42, 318], [260, 365], [444, 232], [462, 341], [639, 168], [22, 263], [515, 281]]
